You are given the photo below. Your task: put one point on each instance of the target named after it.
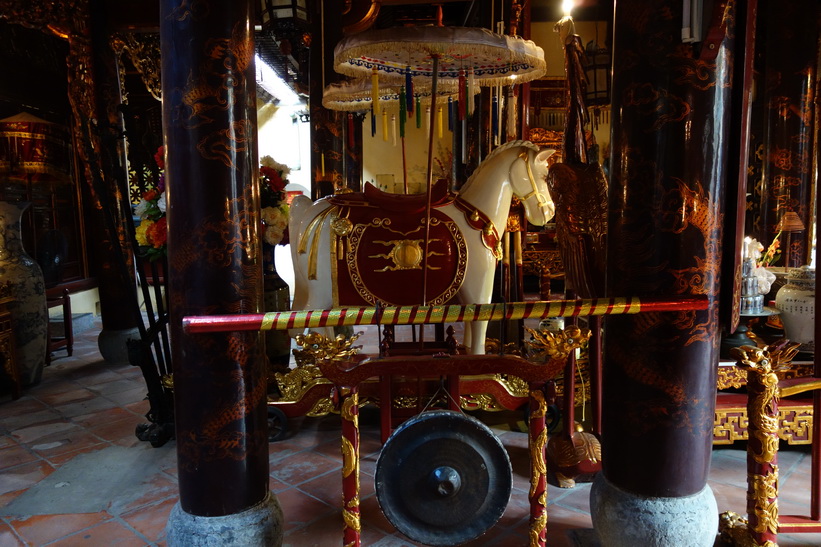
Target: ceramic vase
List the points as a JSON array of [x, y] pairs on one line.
[[277, 297], [25, 278], [796, 301]]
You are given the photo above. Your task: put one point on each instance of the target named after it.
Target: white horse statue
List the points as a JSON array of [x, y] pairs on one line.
[[362, 248]]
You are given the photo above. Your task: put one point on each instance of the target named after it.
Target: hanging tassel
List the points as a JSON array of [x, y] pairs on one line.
[[403, 112], [375, 89], [471, 91], [373, 123], [351, 139], [494, 119], [409, 89], [384, 125], [439, 119], [450, 113], [462, 95], [427, 120], [393, 128], [418, 108]]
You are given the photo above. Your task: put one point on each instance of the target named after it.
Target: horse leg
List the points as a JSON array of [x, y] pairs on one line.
[[475, 337]]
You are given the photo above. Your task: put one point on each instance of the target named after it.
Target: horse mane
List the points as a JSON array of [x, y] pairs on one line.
[[506, 146]]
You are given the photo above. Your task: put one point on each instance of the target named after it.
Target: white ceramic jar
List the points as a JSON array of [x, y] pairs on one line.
[[796, 301]]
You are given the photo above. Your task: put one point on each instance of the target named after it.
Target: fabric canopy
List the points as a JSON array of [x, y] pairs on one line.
[[496, 59]]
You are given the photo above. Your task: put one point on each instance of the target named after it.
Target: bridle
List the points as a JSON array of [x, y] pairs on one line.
[[541, 200]]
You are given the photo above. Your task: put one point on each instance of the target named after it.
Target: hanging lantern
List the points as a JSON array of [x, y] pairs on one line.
[[272, 12], [598, 75]]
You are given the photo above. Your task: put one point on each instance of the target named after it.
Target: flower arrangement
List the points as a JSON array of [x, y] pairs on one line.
[[773, 252], [272, 182], [152, 232]]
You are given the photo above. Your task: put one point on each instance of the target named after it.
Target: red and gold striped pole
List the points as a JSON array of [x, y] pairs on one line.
[[417, 315]]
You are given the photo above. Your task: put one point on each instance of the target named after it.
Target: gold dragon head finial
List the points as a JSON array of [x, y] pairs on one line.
[[549, 345], [772, 358], [317, 347]]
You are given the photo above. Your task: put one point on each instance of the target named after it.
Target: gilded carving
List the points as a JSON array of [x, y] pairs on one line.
[[349, 459], [733, 530], [143, 50], [351, 516], [763, 362], [765, 494], [548, 345], [317, 347], [350, 409]]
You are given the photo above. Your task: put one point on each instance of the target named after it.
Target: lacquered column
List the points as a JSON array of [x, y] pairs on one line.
[[670, 130], [789, 44], [209, 124]]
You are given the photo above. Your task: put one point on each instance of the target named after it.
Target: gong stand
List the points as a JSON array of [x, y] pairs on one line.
[[348, 375]]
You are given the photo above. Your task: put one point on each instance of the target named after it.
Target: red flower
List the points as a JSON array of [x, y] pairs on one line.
[[157, 233], [159, 157], [151, 195]]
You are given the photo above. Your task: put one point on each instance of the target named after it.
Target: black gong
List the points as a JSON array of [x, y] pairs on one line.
[[443, 478]]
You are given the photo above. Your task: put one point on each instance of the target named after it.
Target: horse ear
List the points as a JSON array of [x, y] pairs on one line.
[[544, 154]]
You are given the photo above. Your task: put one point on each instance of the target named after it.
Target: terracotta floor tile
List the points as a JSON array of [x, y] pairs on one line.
[[8, 538], [140, 407], [103, 417], [63, 442], [300, 509], [155, 489], [93, 374], [43, 415], [108, 389], [40, 529], [128, 397], [15, 455], [150, 520], [327, 531], [110, 534], [82, 408], [58, 459], [116, 429], [301, 467], [64, 397], [20, 477], [30, 435], [25, 405]]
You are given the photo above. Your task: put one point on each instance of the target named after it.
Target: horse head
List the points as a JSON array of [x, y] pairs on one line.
[[528, 174]]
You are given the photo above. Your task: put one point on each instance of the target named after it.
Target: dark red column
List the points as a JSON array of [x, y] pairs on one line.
[[209, 123], [671, 117], [787, 86]]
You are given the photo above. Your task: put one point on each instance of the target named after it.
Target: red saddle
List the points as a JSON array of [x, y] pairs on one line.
[[408, 203]]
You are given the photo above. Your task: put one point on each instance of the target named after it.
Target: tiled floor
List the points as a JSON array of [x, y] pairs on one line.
[[84, 406]]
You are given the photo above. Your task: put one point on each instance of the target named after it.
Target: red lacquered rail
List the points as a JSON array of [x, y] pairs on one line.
[[416, 315]]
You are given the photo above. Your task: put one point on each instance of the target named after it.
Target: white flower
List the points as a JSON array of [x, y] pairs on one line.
[[161, 203], [141, 207], [268, 161]]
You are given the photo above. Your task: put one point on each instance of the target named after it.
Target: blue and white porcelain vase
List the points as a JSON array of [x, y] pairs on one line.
[[25, 279], [796, 301]]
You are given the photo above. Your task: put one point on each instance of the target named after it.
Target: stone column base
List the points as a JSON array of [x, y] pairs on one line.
[[260, 525], [113, 344], [622, 519]]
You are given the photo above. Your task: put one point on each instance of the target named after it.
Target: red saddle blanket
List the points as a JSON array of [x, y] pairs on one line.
[[378, 256]]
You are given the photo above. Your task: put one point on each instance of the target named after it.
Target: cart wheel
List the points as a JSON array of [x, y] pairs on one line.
[[277, 424]]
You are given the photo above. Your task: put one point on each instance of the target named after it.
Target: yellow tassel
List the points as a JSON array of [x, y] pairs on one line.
[[439, 120]]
